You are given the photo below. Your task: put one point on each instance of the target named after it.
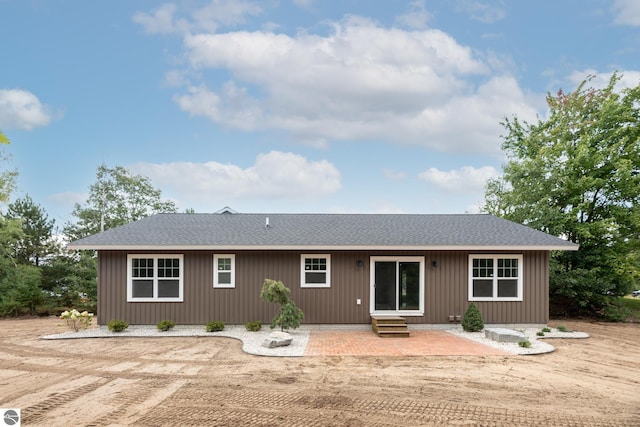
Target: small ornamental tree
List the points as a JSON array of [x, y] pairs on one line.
[[289, 316], [472, 320]]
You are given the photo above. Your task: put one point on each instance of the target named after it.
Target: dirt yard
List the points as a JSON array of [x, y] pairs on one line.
[[210, 381]]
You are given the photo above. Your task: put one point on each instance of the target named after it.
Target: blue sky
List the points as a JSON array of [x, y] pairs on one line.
[[374, 106]]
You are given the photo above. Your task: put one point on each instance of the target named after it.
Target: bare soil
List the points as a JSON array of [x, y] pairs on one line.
[[210, 381]]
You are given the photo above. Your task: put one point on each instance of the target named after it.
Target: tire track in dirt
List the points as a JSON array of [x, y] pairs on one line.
[[36, 413], [197, 404], [24, 351]]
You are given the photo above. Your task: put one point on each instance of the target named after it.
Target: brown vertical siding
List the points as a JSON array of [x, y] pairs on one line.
[[446, 289]]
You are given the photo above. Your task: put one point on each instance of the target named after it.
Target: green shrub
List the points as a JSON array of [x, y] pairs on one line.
[[117, 325], [545, 329], [472, 320], [540, 333], [165, 325], [563, 328], [615, 311], [633, 306], [214, 326], [524, 344], [289, 315], [253, 326]]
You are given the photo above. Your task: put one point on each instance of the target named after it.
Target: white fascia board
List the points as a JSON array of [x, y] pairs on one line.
[[316, 248]]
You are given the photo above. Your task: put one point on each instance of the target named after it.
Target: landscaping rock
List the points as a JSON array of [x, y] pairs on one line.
[[504, 335], [277, 339]]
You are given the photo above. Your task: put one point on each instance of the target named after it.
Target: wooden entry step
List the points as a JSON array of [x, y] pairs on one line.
[[390, 326]]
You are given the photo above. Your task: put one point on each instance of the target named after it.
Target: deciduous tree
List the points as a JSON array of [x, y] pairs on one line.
[[576, 174], [7, 177], [116, 198]]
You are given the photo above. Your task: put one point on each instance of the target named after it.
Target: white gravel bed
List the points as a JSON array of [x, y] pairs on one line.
[[538, 345], [251, 341]]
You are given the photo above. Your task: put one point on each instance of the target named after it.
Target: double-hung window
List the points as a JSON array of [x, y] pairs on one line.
[[154, 278], [316, 271], [224, 271], [495, 277]]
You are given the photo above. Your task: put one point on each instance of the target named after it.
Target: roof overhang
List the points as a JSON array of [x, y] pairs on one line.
[[318, 248]]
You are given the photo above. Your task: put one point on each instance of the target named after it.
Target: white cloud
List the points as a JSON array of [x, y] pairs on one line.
[[629, 79], [160, 21], [360, 82], [467, 179], [626, 12], [474, 208], [417, 17], [274, 175], [226, 12], [20, 109], [166, 19]]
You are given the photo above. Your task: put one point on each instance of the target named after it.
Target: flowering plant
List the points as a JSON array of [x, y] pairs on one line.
[[76, 320]]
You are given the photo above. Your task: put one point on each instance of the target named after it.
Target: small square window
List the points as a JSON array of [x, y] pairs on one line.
[[315, 271], [224, 271]]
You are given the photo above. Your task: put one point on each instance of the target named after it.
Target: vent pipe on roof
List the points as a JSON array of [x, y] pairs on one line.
[[266, 223]]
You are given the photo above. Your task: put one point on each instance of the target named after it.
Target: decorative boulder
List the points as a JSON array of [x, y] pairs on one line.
[[277, 339]]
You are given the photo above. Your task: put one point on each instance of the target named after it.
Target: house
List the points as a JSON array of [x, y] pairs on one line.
[[341, 268]]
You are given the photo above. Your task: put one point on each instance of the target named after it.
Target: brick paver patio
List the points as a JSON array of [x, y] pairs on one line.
[[420, 343]]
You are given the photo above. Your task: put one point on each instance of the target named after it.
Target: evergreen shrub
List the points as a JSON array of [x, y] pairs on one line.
[[215, 326], [165, 325], [116, 325], [472, 320]]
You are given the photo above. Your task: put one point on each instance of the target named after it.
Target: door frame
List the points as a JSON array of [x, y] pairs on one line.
[[372, 287]]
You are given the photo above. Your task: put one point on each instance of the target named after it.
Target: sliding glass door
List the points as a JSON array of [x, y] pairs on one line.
[[397, 285]]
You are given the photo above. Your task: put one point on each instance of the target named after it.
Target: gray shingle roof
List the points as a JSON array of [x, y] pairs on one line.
[[321, 231]]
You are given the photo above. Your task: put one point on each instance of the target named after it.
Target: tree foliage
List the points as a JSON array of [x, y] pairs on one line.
[[20, 291], [19, 284], [37, 242], [576, 175], [71, 278], [289, 315], [35, 273], [7, 177], [116, 198]]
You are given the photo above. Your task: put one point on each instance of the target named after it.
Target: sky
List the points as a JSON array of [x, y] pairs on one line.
[[323, 106]]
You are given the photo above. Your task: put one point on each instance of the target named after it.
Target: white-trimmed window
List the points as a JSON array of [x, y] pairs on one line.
[[315, 271], [224, 271], [495, 277], [154, 278]]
